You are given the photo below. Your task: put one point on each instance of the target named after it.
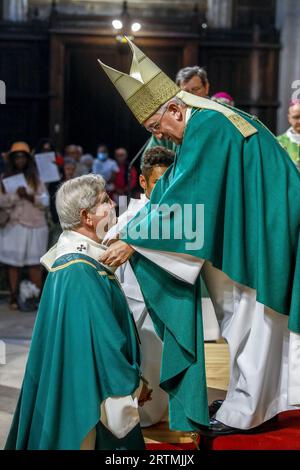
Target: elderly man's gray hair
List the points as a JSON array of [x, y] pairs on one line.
[[77, 194], [187, 73]]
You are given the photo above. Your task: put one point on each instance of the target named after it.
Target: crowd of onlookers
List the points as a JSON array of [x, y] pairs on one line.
[[28, 218]]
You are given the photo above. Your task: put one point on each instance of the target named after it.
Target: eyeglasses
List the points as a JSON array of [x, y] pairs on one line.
[[156, 125]]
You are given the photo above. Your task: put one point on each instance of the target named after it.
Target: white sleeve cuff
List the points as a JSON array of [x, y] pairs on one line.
[[294, 370], [184, 267], [120, 415]]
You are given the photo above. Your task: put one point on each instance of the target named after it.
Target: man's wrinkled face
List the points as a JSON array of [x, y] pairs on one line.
[[103, 216], [294, 117], [169, 124], [195, 86]]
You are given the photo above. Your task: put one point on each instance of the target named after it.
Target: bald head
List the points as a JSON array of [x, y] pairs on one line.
[[294, 116]]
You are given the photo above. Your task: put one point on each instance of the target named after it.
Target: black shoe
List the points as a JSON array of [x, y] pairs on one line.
[[216, 428], [214, 406]]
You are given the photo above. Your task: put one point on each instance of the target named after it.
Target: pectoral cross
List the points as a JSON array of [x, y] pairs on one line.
[[81, 248]]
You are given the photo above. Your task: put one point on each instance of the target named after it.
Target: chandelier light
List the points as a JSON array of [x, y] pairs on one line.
[[125, 26]]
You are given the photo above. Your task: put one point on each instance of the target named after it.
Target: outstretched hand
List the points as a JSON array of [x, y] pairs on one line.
[[117, 254]]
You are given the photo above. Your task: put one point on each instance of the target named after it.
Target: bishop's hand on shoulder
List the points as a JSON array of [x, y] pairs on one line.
[[117, 254], [110, 241]]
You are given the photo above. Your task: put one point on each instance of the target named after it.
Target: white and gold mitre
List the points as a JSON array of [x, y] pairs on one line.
[[146, 88]]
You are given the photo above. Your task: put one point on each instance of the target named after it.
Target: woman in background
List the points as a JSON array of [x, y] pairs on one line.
[[23, 240]]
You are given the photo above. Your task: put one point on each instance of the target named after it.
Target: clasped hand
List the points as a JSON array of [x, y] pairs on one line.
[[23, 194], [117, 254], [145, 395]]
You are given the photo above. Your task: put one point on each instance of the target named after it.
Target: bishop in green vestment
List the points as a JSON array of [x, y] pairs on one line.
[[232, 201], [82, 379]]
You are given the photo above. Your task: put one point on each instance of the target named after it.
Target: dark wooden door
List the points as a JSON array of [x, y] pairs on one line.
[[94, 112], [24, 67]]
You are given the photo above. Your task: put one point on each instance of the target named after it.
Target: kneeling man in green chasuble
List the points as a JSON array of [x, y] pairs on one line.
[[82, 383]]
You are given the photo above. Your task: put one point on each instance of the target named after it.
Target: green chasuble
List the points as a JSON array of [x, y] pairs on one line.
[[175, 308], [84, 349], [168, 144], [250, 190], [154, 142]]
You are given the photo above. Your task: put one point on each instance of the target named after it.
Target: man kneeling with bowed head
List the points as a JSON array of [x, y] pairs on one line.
[[82, 380]]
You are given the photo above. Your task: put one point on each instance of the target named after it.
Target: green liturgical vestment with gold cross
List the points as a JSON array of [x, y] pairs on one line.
[[84, 349], [250, 191]]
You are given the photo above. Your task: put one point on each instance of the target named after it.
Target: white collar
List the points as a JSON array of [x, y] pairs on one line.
[[188, 114], [134, 202], [293, 136], [144, 198], [73, 242]]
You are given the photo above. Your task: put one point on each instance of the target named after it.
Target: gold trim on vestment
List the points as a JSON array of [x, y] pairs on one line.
[[245, 128], [76, 261]]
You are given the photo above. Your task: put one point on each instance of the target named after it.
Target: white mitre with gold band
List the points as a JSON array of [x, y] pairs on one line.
[[147, 88]]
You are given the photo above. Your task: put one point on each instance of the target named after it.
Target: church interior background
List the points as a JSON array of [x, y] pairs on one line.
[[49, 51]]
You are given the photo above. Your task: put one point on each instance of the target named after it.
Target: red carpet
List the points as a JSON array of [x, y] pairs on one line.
[[281, 435], [166, 446]]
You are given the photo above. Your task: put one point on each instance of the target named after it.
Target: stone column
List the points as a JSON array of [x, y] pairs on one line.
[[288, 21], [15, 10]]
